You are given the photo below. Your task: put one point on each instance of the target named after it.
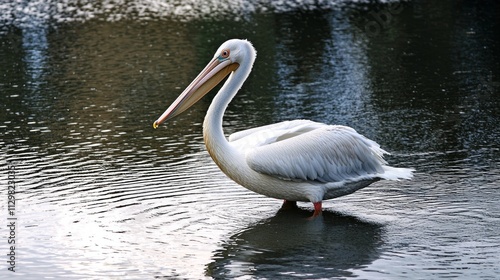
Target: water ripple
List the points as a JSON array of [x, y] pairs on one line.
[[70, 11]]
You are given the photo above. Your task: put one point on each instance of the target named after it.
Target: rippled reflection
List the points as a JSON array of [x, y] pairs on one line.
[[288, 245]]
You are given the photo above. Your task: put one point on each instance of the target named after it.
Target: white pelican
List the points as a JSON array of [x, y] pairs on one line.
[[297, 160]]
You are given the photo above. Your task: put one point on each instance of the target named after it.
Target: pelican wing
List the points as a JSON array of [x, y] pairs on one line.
[[316, 152], [268, 134], [273, 131]]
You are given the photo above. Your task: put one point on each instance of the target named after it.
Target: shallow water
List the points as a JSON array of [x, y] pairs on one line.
[[100, 194]]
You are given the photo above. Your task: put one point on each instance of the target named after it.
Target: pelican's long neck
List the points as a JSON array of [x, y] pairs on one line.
[[213, 134]]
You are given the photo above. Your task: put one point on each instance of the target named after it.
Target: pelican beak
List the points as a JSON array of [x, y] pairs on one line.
[[212, 75]]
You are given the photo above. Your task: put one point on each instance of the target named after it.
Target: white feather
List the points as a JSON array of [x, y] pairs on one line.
[[310, 151]]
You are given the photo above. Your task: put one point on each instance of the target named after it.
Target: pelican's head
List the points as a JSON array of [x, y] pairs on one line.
[[226, 60]]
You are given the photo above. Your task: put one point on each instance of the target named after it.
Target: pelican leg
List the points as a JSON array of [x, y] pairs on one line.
[[289, 205], [317, 209]]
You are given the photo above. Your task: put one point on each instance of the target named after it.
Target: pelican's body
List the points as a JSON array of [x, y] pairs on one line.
[[296, 160]]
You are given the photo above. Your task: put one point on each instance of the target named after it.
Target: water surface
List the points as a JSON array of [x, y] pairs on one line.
[[100, 194]]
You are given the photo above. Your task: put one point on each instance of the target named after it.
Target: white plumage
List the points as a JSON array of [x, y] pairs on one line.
[[296, 160]]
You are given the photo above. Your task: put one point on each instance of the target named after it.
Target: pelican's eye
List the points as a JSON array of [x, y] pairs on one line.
[[224, 54]]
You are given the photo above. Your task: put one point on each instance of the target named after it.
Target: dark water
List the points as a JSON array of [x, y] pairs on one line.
[[100, 194]]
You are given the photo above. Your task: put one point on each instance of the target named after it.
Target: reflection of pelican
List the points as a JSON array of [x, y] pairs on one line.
[[296, 160], [288, 246]]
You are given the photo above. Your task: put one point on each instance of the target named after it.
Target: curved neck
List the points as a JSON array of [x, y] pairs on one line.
[[213, 134]]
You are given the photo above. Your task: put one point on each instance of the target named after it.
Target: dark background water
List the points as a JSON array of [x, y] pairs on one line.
[[100, 194]]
